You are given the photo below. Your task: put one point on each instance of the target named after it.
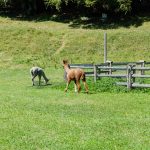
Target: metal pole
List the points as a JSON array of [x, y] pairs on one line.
[[105, 47]]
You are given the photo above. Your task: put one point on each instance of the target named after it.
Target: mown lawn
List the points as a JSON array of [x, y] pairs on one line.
[[47, 118]]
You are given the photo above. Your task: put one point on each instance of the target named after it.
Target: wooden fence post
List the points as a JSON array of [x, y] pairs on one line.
[[109, 65], [98, 72], [142, 65], [133, 72], [95, 73], [130, 79]]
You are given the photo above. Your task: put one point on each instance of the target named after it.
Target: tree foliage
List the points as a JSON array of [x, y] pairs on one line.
[[123, 6], [95, 6], [4, 3]]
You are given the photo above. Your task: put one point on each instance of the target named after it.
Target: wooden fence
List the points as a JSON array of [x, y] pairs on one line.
[[130, 71]]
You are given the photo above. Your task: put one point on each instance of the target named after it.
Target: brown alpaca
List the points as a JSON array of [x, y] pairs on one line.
[[75, 75]]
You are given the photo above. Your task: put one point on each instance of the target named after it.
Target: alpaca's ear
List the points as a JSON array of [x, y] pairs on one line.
[[65, 61]]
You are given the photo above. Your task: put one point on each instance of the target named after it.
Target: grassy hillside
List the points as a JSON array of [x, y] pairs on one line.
[[46, 43]]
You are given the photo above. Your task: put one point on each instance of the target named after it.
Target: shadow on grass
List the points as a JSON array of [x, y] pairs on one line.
[[96, 23], [78, 21], [40, 86]]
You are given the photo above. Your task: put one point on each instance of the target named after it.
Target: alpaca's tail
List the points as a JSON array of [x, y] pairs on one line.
[[84, 82], [83, 77]]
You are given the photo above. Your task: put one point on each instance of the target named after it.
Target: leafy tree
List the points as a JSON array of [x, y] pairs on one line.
[[123, 6], [4, 3], [92, 6]]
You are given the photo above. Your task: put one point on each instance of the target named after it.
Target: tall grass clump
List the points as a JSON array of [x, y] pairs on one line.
[[101, 85]]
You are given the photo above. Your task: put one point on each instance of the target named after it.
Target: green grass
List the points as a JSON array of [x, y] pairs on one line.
[[45, 117]]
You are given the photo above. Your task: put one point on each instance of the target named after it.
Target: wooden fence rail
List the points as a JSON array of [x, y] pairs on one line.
[[128, 70]]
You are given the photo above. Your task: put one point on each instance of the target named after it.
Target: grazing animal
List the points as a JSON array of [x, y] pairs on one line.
[[37, 71], [76, 75]]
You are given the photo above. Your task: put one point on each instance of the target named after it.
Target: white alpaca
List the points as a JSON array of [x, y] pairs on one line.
[[37, 71]]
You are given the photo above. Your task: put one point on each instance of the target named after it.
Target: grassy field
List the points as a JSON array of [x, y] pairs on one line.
[[47, 118], [44, 117]]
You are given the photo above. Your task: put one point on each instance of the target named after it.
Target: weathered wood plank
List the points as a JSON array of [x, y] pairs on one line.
[[141, 68], [140, 76], [92, 72], [115, 67], [122, 83], [82, 67], [141, 85], [112, 75], [134, 84], [123, 63], [89, 75]]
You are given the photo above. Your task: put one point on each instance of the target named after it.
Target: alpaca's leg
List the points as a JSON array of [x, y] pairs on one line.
[[84, 82], [33, 77], [39, 79], [45, 78], [75, 86], [86, 87], [68, 82], [78, 85]]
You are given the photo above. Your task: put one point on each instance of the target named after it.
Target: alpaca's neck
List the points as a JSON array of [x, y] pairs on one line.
[[67, 69]]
